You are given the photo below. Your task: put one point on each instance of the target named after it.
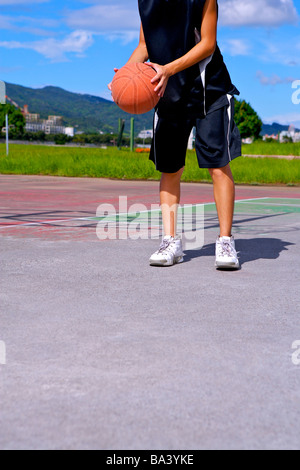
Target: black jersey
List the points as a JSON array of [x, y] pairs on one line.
[[171, 29]]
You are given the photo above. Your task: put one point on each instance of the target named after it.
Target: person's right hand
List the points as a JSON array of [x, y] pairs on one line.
[[109, 85]]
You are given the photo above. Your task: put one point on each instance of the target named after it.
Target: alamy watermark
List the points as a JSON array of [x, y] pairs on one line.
[[296, 94], [2, 353], [296, 354], [136, 222]]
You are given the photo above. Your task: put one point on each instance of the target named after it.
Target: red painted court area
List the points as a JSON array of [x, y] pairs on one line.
[[54, 208]]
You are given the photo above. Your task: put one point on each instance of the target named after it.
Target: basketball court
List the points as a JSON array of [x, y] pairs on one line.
[[104, 352]]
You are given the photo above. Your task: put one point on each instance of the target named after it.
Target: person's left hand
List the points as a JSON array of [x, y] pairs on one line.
[[162, 77]]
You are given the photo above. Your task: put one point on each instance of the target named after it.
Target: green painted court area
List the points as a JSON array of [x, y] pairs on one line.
[[269, 205], [262, 216], [257, 206]]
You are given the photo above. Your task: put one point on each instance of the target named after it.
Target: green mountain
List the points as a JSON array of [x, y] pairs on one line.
[[274, 128], [87, 113], [84, 112]]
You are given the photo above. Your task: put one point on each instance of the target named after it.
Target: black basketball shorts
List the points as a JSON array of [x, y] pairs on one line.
[[217, 140]]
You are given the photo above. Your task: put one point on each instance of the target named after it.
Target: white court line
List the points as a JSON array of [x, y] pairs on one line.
[[180, 208], [275, 204], [47, 222], [44, 222], [186, 206]]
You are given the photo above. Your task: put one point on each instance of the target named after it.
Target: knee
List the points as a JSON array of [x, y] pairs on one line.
[[216, 173], [173, 176], [220, 173]]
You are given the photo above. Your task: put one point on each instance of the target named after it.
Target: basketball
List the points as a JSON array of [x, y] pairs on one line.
[[132, 89]]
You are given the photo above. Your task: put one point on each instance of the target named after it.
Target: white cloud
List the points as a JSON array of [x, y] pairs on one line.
[[273, 79], [5, 22], [236, 47], [56, 49], [103, 18], [284, 119], [258, 12], [25, 24], [117, 21], [280, 50]]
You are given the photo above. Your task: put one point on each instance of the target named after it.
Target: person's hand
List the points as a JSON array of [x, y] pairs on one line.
[[109, 85], [162, 77]]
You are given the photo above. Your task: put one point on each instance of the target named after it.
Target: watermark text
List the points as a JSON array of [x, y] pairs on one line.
[[2, 353], [296, 354], [137, 222]]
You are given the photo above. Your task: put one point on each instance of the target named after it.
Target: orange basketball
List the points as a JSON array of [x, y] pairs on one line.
[[132, 89]]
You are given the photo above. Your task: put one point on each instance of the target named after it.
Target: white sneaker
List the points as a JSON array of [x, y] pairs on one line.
[[226, 255], [169, 253]]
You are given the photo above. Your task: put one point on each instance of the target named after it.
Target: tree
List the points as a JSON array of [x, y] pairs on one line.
[[61, 139], [15, 118], [247, 120]]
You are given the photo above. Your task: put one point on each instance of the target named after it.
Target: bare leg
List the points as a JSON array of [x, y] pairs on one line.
[[224, 192], [170, 199]]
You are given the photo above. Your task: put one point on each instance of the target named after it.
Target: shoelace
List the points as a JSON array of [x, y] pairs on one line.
[[164, 246], [226, 249]]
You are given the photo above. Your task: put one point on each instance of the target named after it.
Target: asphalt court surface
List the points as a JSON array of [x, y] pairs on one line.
[[104, 352]]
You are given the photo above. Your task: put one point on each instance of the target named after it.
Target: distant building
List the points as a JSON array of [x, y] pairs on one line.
[[32, 117], [290, 134], [272, 136], [292, 129], [55, 120], [296, 137], [248, 140], [69, 131], [52, 125], [146, 134]]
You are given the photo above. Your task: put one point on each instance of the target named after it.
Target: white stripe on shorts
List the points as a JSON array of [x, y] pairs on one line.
[[230, 97], [155, 122]]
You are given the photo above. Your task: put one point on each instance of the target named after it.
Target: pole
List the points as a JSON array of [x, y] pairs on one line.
[[121, 131], [132, 135], [3, 101], [6, 123]]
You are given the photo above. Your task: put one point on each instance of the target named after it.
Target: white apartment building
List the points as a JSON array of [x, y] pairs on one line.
[[290, 134], [52, 125]]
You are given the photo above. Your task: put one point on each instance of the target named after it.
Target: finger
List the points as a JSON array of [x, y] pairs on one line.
[[160, 85], [156, 78], [162, 92], [109, 86], [152, 65]]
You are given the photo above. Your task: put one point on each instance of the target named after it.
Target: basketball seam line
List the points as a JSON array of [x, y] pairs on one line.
[[135, 95], [122, 93], [150, 91]]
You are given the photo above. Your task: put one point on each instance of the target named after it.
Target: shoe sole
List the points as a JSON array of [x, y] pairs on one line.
[[220, 265], [165, 264]]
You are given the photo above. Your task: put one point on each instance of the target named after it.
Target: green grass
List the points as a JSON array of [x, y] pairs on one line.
[[272, 148], [112, 163]]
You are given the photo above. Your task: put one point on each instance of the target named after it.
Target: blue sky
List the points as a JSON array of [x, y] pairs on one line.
[[75, 44]]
